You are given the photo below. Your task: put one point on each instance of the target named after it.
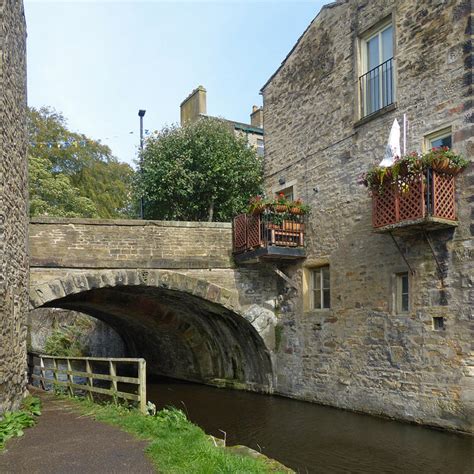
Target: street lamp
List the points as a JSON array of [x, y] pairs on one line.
[[141, 114]]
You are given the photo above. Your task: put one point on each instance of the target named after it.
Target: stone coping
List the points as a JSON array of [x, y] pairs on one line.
[[129, 222]]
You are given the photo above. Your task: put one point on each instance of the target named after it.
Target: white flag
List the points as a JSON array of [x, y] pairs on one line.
[[393, 146]]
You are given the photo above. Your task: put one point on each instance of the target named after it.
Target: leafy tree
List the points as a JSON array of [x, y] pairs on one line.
[[53, 194], [201, 171], [89, 165]]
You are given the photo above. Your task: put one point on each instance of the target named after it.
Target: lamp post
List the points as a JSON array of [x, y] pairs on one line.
[[141, 114]]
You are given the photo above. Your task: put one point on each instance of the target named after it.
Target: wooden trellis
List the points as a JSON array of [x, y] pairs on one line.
[[413, 198], [266, 230]]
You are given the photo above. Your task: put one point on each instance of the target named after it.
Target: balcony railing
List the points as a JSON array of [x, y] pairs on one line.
[[426, 199], [269, 234], [377, 88]]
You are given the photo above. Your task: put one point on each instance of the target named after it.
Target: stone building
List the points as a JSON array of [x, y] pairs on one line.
[[362, 331], [195, 106], [13, 205]]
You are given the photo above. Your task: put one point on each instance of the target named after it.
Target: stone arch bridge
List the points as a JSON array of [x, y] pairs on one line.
[[170, 289]]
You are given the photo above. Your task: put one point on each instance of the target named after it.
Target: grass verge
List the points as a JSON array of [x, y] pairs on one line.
[[176, 444], [13, 423]]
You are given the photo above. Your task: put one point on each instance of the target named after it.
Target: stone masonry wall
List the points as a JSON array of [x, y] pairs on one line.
[[13, 205], [361, 354], [91, 243], [96, 338]]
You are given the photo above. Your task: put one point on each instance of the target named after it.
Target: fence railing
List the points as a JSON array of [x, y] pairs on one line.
[[377, 88], [79, 374], [428, 194], [269, 228]]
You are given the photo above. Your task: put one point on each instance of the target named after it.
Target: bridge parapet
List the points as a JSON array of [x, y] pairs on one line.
[[98, 243]]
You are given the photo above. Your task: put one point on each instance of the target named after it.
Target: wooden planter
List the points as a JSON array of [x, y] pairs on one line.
[[292, 226], [296, 210]]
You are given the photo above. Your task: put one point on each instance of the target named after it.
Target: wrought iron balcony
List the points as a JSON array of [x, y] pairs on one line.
[[377, 88], [268, 235], [422, 201]]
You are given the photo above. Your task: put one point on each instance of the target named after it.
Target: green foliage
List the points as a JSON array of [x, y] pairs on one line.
[[177, 445], [32, 405], [278, 336], [64, 342], [201, 171], [85, 170], [53, 194], [13, 423], [442, 159]]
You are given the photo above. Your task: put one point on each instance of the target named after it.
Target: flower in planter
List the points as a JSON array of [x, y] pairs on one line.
[[298, 207], [376, 178], [445, 160], [441, 159], [257, 204], [281, 203]]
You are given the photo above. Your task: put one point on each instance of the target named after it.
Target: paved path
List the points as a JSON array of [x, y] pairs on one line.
[[65, 442]]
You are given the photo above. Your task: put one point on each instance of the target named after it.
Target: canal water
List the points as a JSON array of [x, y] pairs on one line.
[[313, 438]]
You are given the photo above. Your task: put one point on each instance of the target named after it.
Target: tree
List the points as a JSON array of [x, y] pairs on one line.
[[201, 171], [53, 194], [88, 165]]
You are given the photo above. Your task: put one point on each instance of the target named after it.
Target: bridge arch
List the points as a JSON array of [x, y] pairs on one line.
[[185, 327]]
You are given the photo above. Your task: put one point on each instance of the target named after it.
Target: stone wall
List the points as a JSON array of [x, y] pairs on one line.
[[361, 354], [95, 338], [93, 243], [13, 205]]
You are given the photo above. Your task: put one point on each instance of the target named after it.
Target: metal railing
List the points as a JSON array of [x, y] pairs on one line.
[[377, 88], [269, 228], [57, 371]]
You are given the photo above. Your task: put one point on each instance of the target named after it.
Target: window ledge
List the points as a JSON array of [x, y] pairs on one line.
[[376, 115], [315, 312]]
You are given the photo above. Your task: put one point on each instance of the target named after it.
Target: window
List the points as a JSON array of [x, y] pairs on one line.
[[377, 88], [260, 147], [402, 293], [320, 292], [438, 323], [439, 139], [287, 192]]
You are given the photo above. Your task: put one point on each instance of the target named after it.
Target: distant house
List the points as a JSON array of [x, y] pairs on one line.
[[195, 106]]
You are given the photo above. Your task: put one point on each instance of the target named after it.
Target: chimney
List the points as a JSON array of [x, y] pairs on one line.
[[256, 117], [194, 105]]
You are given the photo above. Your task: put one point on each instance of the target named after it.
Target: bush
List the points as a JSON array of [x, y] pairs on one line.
[[13, 423]]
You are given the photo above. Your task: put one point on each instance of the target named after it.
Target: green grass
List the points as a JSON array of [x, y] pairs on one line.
[[13, 423], [176, 444]]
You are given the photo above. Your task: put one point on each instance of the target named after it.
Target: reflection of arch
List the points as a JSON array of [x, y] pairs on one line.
[[185, 327]]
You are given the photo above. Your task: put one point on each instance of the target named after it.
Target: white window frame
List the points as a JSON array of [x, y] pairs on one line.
[[441, 133], [318, 273], [363, 66], [399, 293], [282, 187]]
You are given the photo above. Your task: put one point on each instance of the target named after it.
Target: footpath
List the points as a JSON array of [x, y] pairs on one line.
[[66, 442]]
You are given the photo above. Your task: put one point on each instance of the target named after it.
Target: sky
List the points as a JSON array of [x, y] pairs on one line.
[[98, 62]]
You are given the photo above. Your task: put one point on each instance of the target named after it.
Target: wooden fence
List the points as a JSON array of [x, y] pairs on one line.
[[40, 365]]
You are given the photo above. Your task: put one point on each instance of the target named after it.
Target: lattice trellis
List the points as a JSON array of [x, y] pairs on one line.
[[240, 233], [444, 203], [408, 199], [253, 231], [267, 229], [411, 202], [384, 207]]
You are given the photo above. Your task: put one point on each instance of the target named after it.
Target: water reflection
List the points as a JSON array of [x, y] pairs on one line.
[[313, 438]]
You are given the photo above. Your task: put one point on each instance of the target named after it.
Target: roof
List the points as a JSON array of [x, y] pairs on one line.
[[245, 127], [324, 7]]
